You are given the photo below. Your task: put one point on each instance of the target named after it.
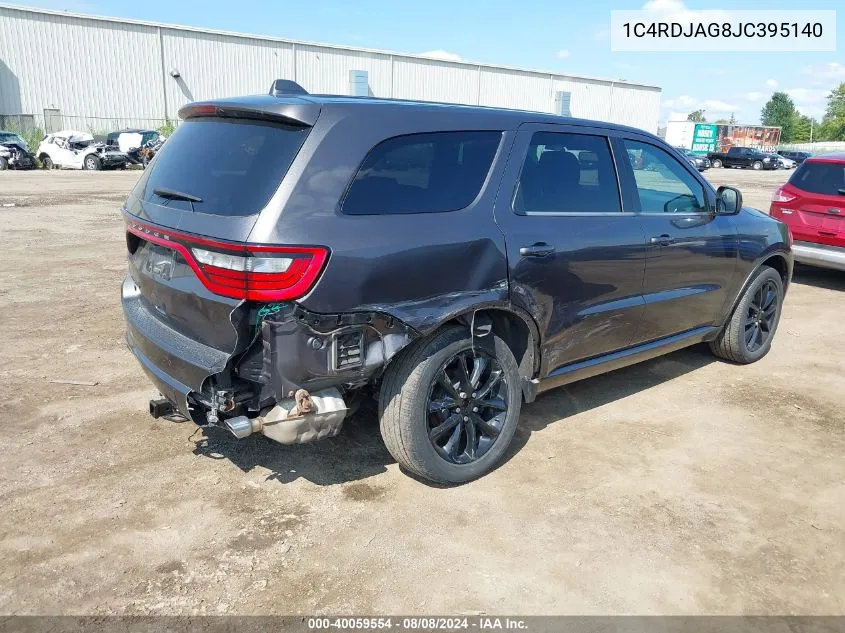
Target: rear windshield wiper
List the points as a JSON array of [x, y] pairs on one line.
[[841, 192], [172, 194]]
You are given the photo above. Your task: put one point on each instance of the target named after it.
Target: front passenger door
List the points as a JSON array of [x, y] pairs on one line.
[[692, 253]]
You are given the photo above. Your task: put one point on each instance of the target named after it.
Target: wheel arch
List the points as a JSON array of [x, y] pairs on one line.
[[517, 329], [779, 260], [780, 263]]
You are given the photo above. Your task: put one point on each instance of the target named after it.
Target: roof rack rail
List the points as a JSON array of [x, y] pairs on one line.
[[282, 87]]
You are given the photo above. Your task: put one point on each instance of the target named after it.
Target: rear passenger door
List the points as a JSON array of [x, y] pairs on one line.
[[692, 253], [576, 256]]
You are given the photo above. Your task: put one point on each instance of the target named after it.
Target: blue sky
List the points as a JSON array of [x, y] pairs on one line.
[[554, 35]]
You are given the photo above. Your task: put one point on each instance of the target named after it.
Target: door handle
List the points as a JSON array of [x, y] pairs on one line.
[[662, 240], [539, 249]]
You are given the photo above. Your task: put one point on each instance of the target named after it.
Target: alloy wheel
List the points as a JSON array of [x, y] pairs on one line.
[[761, 317], [467, 407]]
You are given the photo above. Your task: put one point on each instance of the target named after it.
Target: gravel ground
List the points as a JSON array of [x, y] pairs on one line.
[[682, 485]]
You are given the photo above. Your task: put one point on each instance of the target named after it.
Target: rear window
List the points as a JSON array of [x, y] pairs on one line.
[[234, 166], [422, 173], [824, 178]]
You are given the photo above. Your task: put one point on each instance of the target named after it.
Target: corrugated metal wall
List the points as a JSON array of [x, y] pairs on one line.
[[85, 67], [213, 65], [99, 69]]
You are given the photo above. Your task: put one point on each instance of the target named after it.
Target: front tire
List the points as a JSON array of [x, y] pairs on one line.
[[46, 162], [756, 165], [91, 163], [748, 335], [716, 163], [448, 410], [4, 164]]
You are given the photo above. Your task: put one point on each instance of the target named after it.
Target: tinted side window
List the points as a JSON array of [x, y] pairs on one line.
[[422, 173], [567, 173], [663, 184], [824, 178]]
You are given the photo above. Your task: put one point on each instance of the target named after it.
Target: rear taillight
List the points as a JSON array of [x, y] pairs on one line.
[[782, 196], [243, 271]]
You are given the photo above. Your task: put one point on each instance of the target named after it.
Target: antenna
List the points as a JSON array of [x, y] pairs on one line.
[[283, 87]]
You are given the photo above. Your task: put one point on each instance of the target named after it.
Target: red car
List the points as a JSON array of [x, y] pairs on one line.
[[812, 204]]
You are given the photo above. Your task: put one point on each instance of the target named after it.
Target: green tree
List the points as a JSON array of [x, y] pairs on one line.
[[780, 111], [832, 127], [805, 128], [722, 122], [697, 116]]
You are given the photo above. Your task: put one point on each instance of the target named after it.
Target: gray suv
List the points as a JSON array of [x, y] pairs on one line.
[[450, 261]]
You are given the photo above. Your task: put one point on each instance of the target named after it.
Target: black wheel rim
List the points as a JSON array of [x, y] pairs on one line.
[[761, 317], [467, 407]]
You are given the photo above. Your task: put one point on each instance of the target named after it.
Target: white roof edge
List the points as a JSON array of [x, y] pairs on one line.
[[269, 38]]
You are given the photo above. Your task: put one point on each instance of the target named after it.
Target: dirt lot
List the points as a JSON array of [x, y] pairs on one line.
[[682, 485]]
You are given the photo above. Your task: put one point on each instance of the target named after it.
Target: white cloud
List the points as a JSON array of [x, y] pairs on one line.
[[624, 66], [686, 102], [771, 83], [754, 96], [563, 53], [829, 73], [602, 32], [445, 56], [809, 101], [664, 5], [808, 94], [714, 105], [677, 11]]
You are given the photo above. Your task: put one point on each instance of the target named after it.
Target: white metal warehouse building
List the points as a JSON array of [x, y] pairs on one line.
[[101, 74]]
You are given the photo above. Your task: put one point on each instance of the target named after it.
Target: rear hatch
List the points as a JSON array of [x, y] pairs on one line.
[[812, 203], [193, 277]]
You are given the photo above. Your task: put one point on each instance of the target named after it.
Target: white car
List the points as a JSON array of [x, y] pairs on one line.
[[71, 149], [787, 163]]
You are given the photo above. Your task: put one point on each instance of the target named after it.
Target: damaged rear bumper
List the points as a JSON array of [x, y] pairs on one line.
[[282, 349], [176, 365]]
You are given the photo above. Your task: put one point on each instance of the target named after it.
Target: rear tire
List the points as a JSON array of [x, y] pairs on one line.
[[4, 164], [46, 162], [749, 333], [716, 163], [413, 404], [756, 165]]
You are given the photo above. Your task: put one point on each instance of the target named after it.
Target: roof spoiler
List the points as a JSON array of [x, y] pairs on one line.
[[264, 107], [286, 87]]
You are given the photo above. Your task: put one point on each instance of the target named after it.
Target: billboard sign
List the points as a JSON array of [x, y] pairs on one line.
[[704, 138], [765, 138], [711, 137]]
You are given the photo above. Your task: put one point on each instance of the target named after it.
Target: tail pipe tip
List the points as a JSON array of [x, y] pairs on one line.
[[240, 426]]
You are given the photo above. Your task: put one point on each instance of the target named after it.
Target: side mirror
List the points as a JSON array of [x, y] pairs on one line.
[[728, 200]]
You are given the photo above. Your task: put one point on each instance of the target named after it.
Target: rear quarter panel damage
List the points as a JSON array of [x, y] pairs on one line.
[[422, 269]]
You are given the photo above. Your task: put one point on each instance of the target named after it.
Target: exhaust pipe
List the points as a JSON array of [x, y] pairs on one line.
[[240, 426], [295, 422]]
